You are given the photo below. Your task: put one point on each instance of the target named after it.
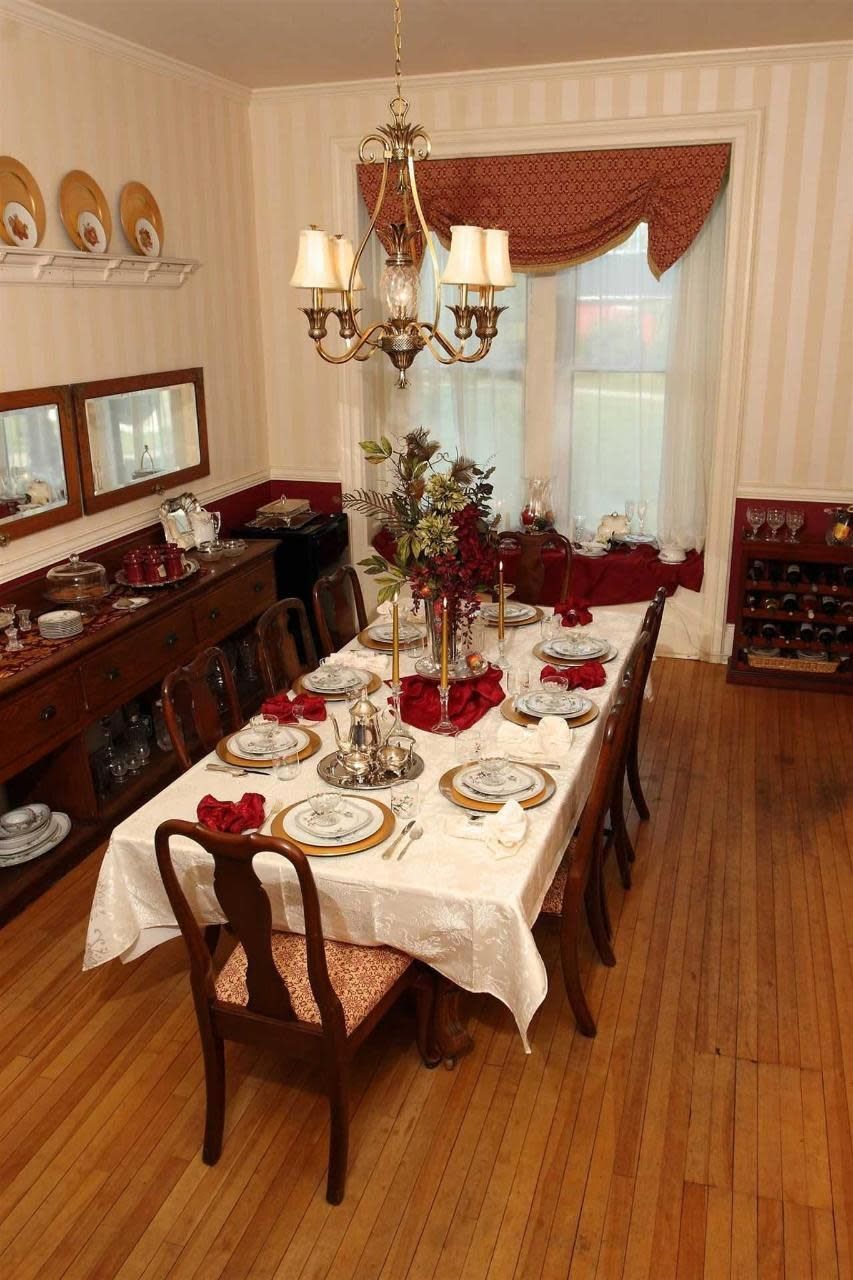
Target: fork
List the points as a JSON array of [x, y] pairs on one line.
[[414, 834]]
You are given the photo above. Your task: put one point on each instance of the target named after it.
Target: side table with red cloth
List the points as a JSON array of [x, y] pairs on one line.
[[630, 575]]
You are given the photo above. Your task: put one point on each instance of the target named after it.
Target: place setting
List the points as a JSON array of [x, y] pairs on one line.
[[264, 743], [335, 682], [379, 635], [573, 649], [487, 784], [554, 700], [329, 823]]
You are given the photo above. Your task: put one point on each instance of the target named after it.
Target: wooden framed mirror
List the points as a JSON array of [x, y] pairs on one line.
[[139, 436], [39, 474]]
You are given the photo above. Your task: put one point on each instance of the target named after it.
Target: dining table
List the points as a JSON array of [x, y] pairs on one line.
[[451, 902]]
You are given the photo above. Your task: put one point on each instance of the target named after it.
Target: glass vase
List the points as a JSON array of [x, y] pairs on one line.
[[431, 664]]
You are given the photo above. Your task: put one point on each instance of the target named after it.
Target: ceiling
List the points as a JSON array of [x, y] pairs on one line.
[[262, 43]]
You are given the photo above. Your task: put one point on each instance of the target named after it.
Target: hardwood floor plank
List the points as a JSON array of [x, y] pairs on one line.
[[771, 1240], [691, 1240], [745, 1156], [744, 1262], [718, 1235]]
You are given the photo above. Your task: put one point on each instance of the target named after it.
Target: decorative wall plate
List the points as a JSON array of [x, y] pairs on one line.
[[85, 212], [141, 220], [334, 851], [22, 213]]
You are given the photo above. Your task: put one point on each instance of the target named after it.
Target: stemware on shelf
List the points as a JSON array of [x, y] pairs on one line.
[[630, 507], [755, 517], [775, 520], [12, 641], [642, 509], [794, 519], [578, 530]]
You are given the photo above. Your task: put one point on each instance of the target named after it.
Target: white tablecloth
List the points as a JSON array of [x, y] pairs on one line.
[[449, 902]]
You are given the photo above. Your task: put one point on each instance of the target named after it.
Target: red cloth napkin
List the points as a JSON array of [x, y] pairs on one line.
[[305, 706], [228, 815], [590, 675], [574, 611], [469, 699]]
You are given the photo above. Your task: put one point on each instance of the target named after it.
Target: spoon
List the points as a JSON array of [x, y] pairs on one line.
[[393, 845], [414, 834]]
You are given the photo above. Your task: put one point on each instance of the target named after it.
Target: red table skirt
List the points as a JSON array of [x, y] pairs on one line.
[[625, 576]]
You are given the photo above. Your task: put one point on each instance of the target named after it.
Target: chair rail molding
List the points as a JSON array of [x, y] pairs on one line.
[[743, 130]]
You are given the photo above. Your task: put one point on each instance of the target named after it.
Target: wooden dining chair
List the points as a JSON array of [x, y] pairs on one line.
[[311, 998], [526, 568], [285, 644], [652, 624], [633, 682], [200, 705], [579, 881], [339, 610]]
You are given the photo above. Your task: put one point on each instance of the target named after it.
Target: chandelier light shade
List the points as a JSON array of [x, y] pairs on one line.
[[479, 260]]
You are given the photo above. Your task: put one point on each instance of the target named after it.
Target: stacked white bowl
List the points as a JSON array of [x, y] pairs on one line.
[[60, 624]]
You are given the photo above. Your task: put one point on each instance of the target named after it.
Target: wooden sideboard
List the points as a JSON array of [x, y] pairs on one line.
[[47, 708]]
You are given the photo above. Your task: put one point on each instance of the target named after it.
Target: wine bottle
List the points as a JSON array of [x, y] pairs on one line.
[[794, 573], [755, 572], [844, 634], [807, 632], [846, 606], [825, 636], [830, 576], [790, 602], [828, 605], [847, 575], [809, 604], [769, 630], [770, 602]]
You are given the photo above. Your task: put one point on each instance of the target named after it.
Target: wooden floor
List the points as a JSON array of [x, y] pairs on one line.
[[704, 1132]]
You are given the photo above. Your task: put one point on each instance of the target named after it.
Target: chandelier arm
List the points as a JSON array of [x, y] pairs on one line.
[[457, 353], [413, 187], [364, 339], [348, 300]]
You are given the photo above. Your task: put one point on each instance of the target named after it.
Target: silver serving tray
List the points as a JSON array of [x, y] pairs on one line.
[[330, 770]]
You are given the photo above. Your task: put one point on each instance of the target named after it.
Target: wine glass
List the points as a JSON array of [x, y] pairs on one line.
[[775, 520], [755, 517], [642, 508], [629, 512], [578, 529], [794, 519]]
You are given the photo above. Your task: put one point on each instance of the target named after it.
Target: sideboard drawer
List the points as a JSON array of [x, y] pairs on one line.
[[147, 655], [239, 600], [38, 717]]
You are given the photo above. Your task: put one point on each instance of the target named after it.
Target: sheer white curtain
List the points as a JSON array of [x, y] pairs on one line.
[[691, 386]]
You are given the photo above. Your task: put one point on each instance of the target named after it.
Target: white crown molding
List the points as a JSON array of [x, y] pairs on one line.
[[494, 76], [795, 492], [305, 475], [57, 24]]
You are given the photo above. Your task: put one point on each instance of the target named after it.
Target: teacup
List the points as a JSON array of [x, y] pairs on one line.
[[20, 822]]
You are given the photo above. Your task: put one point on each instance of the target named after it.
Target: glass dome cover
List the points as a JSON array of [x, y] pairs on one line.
[[77, 579]]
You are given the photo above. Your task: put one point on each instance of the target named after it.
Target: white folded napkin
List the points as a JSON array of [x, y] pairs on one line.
[[386, 608], [362, 659], [502, 832], [550, 740]]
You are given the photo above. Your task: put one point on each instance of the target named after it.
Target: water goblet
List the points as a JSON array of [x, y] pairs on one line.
[[518, 684], [404, 799], [118, 765], [10, 610], [578, 530], [794, 519], [324, 805], [775, 520], [629, 512], [468, 746], [642, 509], [755, 517]]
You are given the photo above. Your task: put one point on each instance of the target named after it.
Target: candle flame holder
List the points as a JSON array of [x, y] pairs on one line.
[[445, 725]]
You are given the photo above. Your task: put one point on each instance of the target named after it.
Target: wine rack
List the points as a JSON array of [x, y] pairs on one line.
[[793, 631]]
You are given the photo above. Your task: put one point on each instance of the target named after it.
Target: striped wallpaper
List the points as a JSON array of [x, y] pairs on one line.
[[796, 416], [64, 105]]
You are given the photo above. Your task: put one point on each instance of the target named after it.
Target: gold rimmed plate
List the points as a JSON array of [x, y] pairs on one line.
[[448, 790], [141, 220], [85, 212], [537, 616], [311, 748], [374, 683], [541, 653], [334, 851], [509, 712], [383, 646], [22, 213]]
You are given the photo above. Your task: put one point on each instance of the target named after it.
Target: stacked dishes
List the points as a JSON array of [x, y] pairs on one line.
[[60, 624], [335, 681], [29, 832], [382, 632], [577, 648], [515, 613], [513, 782], [553, 702]]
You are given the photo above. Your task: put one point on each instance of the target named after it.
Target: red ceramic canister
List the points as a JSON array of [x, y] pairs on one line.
[[152, 565], [132, 565], [173, 559]]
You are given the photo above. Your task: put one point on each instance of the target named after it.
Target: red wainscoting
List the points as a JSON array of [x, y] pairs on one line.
[[324, 496], [813, 531]]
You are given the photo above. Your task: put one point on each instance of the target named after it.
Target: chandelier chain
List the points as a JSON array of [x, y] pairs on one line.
[[398, 44]]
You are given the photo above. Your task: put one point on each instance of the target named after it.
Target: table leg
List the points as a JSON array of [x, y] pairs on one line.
[[452, 1039]]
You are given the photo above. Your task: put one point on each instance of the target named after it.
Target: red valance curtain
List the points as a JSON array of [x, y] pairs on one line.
[[564, 207]]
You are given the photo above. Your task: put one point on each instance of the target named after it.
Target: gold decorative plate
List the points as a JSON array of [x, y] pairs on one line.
[[385, 646], [256, 762], [335, 851], [374, 683], [141, 220], [19, 188], [447, 789], [85, 212], [518, 622], [509, 712], [539, 651]]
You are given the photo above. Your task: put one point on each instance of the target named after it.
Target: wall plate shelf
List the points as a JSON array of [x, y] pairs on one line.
[[71, 267]]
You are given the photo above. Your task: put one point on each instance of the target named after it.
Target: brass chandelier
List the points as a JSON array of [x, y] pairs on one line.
[[479, 260]]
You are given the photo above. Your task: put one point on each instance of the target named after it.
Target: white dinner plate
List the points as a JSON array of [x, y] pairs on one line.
[[638, 539], [295, 740], [58, 829], [335, 679], [554, 702], [511, 610], [295, 831], [518, 783], [576, 647], [382, 631], [590, 553], [349, 818]]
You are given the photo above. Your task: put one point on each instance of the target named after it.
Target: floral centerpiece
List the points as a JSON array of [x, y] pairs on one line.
[[439, 532]]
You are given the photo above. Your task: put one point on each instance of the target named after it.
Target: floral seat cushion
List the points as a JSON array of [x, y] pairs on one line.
[[553, 901], [361, 976]]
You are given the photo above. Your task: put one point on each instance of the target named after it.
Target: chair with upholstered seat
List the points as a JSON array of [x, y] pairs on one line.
[[651, 623], [313, 999], [285, 644], [338, 608], [579, 879], [526, 555], [200, 705]]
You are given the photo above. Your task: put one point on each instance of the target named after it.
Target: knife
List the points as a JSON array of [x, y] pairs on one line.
[[406, 829]]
